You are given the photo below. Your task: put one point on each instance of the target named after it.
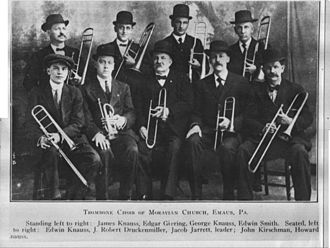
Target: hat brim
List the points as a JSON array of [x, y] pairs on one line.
[[96, 57], [274, 60], [173, 17], [226, 50], [243, 21], [47, 26], [130, 23], [163, 51], [66, 62]]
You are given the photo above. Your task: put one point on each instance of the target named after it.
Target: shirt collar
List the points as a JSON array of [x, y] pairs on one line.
[[121, 42], [246, 43], [223, 75], [54, 47], [56, 86], [183, 37], [102, 82], [164, 74]]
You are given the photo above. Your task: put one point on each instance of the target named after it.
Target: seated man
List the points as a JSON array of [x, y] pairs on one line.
[[117, 141], [211, 94], [65, 104], [172, 121], [264, 103]]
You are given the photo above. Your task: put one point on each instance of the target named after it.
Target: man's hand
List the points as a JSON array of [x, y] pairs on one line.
[[75, 78], [129, 60], [194, 129], [143, 132], [195, 63], [101, 141], [250, 68], [272, 128], [120, 121], [161, 112], [284, 119], [224, 124], [45, 142]]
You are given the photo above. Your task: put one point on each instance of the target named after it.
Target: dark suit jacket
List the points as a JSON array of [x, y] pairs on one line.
[[208, 97], [261, 110], [70, 117], [179, 101], [236, 63], [181, 55], [121, 101], [35, 72]]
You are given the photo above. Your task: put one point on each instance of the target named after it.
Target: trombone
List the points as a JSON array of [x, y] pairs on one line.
[[139, 54], [200, 29], [107, 113], [46, 122], [86, 40], [152, 133], [265, 22], [228, 112], [296, 105]]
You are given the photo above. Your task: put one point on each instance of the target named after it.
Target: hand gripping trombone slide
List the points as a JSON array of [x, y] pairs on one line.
[[45, 120], [107, 112]]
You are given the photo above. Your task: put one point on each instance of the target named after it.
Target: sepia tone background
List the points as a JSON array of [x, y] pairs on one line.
[[295, 30]]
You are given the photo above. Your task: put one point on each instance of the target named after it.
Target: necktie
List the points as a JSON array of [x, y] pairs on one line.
[[56, 100], [180, 41], [244, 48], [122, 44], [107, 91], [159, 77], [272, 88], [59, 49], [219, 84]]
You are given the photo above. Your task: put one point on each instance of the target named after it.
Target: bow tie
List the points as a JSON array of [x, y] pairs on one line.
[[122, 44], [59, 49], [272, 88], [159, 77]]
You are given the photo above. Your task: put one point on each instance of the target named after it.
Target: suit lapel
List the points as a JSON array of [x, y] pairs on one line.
[[115, 89], [281, 94], [226, 88]]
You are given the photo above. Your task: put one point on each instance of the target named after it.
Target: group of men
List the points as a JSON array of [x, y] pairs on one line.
[[186, 117]]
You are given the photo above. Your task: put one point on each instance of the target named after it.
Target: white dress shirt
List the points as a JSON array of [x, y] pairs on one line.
[[58, 52], [122, 49], [247, 44], [223, 75], [102, 82], [56, 87], [162, 81], [183, 37]]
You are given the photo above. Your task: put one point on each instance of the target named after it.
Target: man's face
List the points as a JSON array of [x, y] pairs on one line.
[[180, 25], [58, 72], [273, 71], [244, 31], [105, 66], [162, 62], [58, 33], [219, 61], [123, 31]]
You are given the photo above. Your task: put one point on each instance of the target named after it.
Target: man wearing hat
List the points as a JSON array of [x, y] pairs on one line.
[[172, 123], [246, 44], [264, 103], [210, 96], [122, 144], [182, 43], [55, 26], [65, 104]]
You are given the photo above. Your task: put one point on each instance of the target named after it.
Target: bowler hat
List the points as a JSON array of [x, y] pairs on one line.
[[243, 16], [218, 46], [105, 50], [163, 46], [180, 10], [124, 17], [58, 58], [272, 55], [53, 19]]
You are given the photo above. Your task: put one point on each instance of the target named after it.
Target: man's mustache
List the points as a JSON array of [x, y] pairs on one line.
[[61, 34]]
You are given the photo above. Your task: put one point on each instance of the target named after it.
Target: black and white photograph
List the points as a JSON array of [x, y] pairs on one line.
[[165, 124]]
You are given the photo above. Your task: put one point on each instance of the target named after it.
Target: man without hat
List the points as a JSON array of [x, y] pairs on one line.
[[245, 46], [117, 145], [172, 123], [264, 103], [56, 27], [65, 104], [211, 94], [182, 43]]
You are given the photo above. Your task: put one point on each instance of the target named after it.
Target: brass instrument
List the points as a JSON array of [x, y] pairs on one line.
[[46, 122], [107, 113], [200, 29], [139, 54], [262, 37], [228, 112], [266, 141], [152, 136]]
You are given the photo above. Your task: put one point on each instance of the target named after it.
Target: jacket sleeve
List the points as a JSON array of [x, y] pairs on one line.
[[197, 105], [128, 108], [241, 103]]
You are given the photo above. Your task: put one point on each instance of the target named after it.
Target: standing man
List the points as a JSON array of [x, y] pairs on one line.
[[263, 105], [121, 146], [172, 122], [56, 28], [245, 46], [65, 104], [210, 95], [182, 43]]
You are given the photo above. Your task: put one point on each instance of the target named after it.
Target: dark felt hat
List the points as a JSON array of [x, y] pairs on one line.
[[105, 50], [218, 46], [273, 55], [53, 19], [180, 10], [243, 16], [163, 46], [58, 58], [124, 17]]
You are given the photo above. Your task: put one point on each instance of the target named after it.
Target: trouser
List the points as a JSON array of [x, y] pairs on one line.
[[124, 153], [84, 158], [297, 157], [226, 155], [167, 148]]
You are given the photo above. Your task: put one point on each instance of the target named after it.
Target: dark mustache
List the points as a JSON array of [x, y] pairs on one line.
[[61, 34]]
